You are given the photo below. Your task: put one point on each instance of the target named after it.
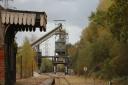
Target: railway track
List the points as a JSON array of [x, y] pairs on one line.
[[45, 79], [59, 79]]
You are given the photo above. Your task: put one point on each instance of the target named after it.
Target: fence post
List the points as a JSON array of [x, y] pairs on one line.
[[110, 82], [94, 81], [21, 67]]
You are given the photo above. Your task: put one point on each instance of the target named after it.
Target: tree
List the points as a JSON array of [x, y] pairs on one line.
[[46, 65], [28, 59], [103, 45], [117, 19]]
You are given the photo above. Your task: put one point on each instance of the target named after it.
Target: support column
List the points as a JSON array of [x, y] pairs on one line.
[[2, 58], [66, 69], [55, 68], [10, 57]]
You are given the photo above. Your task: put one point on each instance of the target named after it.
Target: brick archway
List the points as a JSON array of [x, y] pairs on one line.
[[12, 21]]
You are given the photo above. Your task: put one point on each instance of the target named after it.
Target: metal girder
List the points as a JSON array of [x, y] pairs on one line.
[[47, 36]]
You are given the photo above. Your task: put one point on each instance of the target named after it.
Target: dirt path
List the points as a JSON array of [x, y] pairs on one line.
[[33, 80], [77, 80], [60, 79]]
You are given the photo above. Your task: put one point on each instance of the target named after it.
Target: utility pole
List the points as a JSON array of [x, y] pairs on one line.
[[59, 21], [32, 68], [21, 67], [6, 3]]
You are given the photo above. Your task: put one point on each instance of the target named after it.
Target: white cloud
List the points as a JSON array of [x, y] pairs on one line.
[[21, 1], [73, 31], [75, 12]]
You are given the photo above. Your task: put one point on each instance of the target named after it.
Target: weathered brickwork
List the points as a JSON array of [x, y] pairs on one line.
[[1, 64]]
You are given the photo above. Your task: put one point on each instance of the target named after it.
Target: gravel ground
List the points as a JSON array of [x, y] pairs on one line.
[[33, 80]]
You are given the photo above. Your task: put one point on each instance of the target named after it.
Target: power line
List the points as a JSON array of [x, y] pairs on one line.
[[57, 21]]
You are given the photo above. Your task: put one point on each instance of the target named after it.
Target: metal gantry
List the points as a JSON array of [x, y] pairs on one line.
[[60, 55]]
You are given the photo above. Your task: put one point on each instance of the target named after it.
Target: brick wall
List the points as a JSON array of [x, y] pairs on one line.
[[1, 64]]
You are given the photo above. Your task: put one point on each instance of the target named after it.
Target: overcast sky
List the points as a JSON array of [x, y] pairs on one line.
[[75, 12]]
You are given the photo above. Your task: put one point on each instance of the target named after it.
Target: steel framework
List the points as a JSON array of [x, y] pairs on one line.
[[61, 56]]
